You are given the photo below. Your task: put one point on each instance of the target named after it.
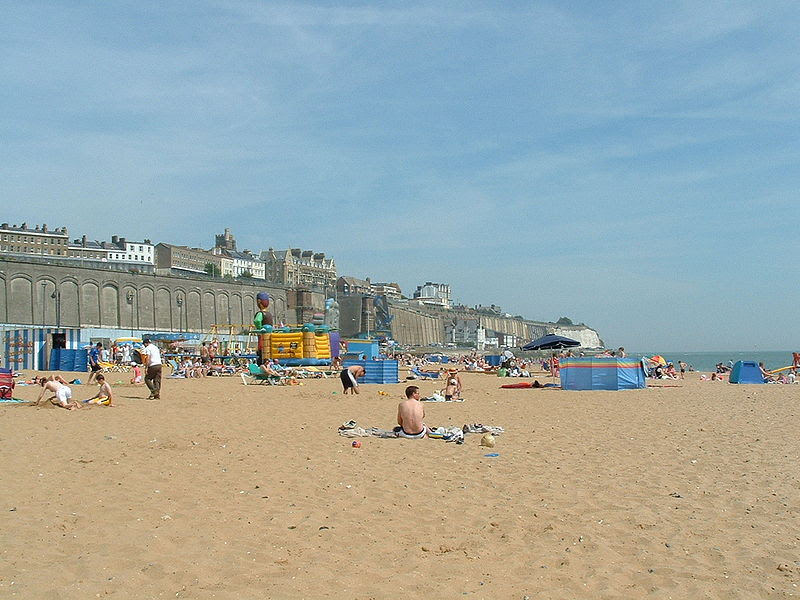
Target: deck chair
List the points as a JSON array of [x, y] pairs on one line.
[[316, 372], [425, 374], [255, 373], [177, 372]]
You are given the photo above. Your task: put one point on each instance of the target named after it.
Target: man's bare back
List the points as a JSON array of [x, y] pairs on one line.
[[411, 412]]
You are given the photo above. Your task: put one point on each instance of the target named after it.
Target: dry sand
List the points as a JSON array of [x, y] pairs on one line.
[[221, 490]]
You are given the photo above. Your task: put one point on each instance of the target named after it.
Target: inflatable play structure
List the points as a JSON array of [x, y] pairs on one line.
[[746, 371], [305, 345], [593, 373]]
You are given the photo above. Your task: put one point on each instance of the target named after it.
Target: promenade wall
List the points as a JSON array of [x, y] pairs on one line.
[[34, 293], [425, 325], [38, 294]]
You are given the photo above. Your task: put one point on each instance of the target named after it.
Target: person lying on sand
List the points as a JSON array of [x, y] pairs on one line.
[[411, 415], [104, 395], [62, 394]]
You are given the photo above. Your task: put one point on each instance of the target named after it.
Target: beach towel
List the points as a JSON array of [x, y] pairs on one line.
[[351, 429], [411, 436], [439, 398]]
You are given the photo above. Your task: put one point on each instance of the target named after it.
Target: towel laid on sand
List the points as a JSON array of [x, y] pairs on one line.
[[448, 434], [436, 397]]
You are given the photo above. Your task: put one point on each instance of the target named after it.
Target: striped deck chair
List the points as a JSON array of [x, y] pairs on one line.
[[256, 374]]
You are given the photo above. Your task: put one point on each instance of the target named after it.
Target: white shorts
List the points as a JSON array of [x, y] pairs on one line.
[[64, 395]]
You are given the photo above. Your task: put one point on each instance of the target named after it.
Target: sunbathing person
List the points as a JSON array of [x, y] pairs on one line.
[[411, 415], [62, 394], [452, 390], [267, 369], [104, 395]]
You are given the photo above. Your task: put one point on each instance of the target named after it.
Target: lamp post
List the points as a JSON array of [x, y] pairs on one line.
[[44, 288], [129, 300], [57, 296], [179, 302]]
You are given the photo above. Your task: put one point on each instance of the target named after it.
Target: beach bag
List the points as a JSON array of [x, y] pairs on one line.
[[6, 384]]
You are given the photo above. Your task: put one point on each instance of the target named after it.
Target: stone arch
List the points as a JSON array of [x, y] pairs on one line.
[[20, 300], [129, 305], [146, 307], [70, 304], [193, 319], [222, 304], [236, 309], [163, 309], [90, 304], [178, 307], [109, 303], [45, 307], [3, 298], [249, 308], [208, 311]]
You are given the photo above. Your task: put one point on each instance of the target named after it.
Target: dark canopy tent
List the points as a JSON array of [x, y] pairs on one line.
[[551, 341]]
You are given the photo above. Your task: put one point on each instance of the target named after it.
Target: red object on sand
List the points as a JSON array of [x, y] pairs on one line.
[[517, 386], [356, 444]]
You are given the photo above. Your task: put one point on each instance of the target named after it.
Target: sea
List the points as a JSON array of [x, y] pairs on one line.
[[707, 361]]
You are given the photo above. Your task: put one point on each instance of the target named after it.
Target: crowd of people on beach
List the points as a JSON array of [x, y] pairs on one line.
[[146, 364]]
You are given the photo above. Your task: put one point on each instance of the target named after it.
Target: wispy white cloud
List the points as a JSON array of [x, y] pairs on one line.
[[495, 145]]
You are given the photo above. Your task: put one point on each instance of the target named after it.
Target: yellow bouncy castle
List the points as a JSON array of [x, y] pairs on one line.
[[297, 346]]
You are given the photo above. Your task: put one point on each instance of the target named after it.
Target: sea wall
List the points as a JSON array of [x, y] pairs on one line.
[[32, 293], [426, 325]]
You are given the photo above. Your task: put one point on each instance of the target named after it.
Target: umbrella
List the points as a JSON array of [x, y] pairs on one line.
[[658, 360], [551, 341]]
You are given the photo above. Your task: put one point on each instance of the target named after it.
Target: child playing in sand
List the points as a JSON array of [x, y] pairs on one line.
[[104, 395], [137, 375], [62, 394]]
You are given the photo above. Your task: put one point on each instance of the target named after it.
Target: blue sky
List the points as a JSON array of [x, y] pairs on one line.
[[634, 166]]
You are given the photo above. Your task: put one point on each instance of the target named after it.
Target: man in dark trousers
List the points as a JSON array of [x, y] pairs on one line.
[[152, 363]]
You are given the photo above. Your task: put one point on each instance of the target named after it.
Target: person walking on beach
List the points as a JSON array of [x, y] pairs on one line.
[[350, 377], [152, 363], [411, 415], [94, 361]]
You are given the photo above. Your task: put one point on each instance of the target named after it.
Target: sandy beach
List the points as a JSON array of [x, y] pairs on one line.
[[221, 490]]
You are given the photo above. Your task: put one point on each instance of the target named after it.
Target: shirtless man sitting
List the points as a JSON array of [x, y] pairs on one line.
[[411, 415], [62, 394]]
